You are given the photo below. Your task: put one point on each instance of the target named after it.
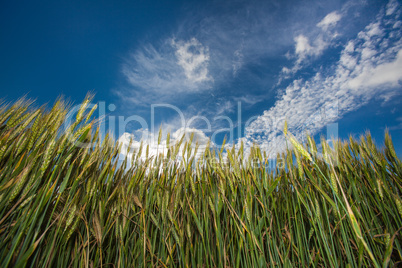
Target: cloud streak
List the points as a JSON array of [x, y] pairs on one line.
[[158, 73]]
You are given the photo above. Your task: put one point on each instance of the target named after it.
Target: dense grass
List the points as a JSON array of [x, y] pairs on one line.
[[62, 205]]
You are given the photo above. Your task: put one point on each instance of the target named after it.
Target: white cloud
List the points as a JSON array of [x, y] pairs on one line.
[[303, 49], [159, 73], [386, 73], [302, 45], [224, 107], [368, 53], [238, 59], [329, 20], [348, 61], [374, 29], [392, 7], [194, 59], [368, 67], [306, 49]]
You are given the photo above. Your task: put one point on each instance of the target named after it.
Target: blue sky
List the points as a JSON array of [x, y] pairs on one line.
[[234, 68]]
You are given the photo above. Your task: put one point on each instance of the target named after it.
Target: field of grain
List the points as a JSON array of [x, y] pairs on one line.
[[63, 205]]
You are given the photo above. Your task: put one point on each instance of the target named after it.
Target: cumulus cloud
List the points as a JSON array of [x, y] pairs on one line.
[[369, 66]]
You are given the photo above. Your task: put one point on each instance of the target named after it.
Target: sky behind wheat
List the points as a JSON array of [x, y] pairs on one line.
[[216, 68]]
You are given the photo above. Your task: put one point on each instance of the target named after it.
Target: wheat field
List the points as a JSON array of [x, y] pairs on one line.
[[63, 205]]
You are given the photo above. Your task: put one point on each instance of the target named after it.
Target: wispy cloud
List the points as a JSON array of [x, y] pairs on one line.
[[225, 107], [193, 58], [307, 48], [369, 66], [158, 73], [329, 20]]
